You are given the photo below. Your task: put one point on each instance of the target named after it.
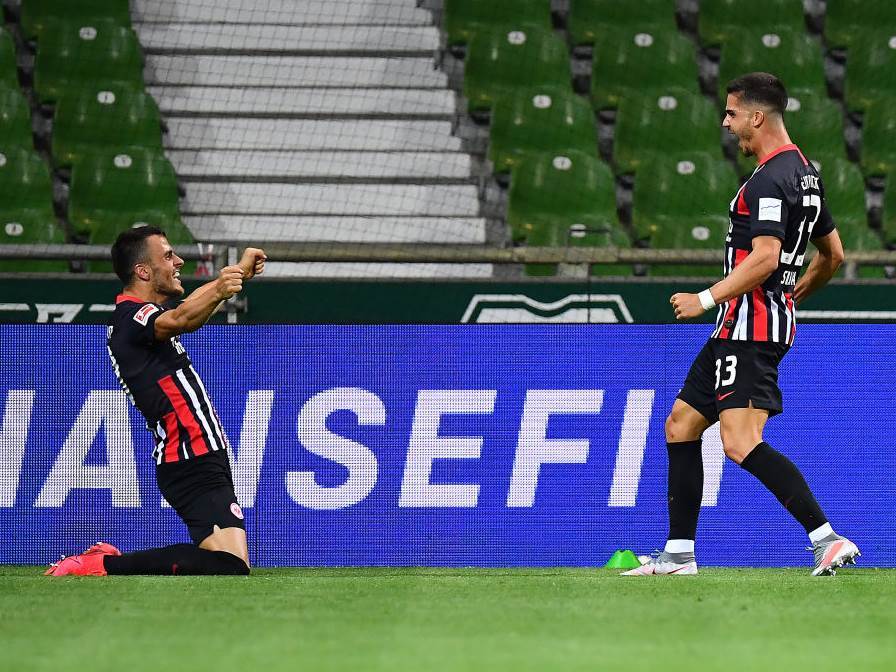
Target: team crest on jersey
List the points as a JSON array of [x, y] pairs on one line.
[[236, 510], [142, 315]]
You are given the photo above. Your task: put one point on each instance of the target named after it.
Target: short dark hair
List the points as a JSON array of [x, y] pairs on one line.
[[762, 88], [130, 249]]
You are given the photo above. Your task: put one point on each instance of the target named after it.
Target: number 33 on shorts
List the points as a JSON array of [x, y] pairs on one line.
[[728, 368]]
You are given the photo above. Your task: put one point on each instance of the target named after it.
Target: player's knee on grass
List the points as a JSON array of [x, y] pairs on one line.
[[229, 539]]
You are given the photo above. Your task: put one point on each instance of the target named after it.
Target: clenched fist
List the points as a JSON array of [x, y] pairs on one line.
[[686, 306], [252, 262], [230, 282]]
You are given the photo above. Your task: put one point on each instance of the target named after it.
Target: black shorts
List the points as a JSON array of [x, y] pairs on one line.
[[201, 491], [732, 374]]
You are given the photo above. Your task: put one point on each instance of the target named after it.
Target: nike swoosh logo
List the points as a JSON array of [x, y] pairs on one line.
[[724, 396]]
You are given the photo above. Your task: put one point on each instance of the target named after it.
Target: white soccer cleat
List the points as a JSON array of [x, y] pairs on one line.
[[832, 553], [679, 564]]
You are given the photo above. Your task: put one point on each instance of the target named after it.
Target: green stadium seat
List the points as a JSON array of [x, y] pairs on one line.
[[117, 190], [878, 131], [97, 121], [681, 201], [15, 119], [8, 67], [591, 21], [26, 209], [564, 199], [112, 192], [723, 21], [814, 124], [505, 60], [36, 14], [847, 22], [73, 56], [844, 188], [794, 57], [638, 59], [540, 120], [464, 18], [870, 65], [889, 214], [664, 123]]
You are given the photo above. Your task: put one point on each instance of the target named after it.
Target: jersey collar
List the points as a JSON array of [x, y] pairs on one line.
[[780, 150], [121, 298]]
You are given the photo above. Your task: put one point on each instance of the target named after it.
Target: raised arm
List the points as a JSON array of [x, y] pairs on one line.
[[823, 266], [198, 306]]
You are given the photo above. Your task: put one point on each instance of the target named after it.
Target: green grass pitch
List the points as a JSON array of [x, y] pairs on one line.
[[395, 619]]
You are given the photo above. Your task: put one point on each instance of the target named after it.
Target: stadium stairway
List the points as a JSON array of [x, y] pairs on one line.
[[319, 121]]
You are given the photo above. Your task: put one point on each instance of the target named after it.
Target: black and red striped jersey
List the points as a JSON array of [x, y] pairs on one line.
[[784, 197], [160, 380]]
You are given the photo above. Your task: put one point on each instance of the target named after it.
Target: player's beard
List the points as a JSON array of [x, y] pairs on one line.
[[744, 144], [171, 287]]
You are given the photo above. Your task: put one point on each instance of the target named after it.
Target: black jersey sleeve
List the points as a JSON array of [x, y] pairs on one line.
[[768, 206], [825, 223], [138, 323]]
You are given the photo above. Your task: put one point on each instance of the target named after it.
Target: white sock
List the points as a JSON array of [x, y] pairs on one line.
[[679, 546], [820, 533]]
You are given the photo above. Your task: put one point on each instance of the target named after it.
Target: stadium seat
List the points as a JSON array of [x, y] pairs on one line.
[[36, 14], [464, 18], [502, 61], [814, 124], [878, 131], [15, 119], [681, 202], [8, 76], [564, 199], [723, 21], [869, 67], [591, 21], [793, 56], [72, 56], [889, 214], [101, 120], [114, 191], [847, 22], [26, 209], [844, 189], [540, 120], [664, 123], [640, 59]]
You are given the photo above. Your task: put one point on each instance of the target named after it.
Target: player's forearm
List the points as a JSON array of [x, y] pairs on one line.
[[821, 270], [746, 276], [191, 314]]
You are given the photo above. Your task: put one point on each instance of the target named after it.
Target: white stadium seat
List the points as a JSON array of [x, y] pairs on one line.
[[241, 164], [293, 71], [338, 228], [192, 38], [299, 134], [271, 198], [357, 12], [213, 100]]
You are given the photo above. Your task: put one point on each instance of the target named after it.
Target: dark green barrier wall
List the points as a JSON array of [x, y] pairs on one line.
[[366, 302]]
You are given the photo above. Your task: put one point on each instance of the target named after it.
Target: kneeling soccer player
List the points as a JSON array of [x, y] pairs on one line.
[[192, 466]]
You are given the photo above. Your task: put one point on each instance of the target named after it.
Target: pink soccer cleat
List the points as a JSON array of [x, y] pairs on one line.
[[88, 563]]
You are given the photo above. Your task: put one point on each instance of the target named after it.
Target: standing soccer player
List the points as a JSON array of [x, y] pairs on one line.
[[734, 379], [192, 466]]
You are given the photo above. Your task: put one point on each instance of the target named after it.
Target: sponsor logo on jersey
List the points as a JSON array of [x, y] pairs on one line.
[[770, 209]]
